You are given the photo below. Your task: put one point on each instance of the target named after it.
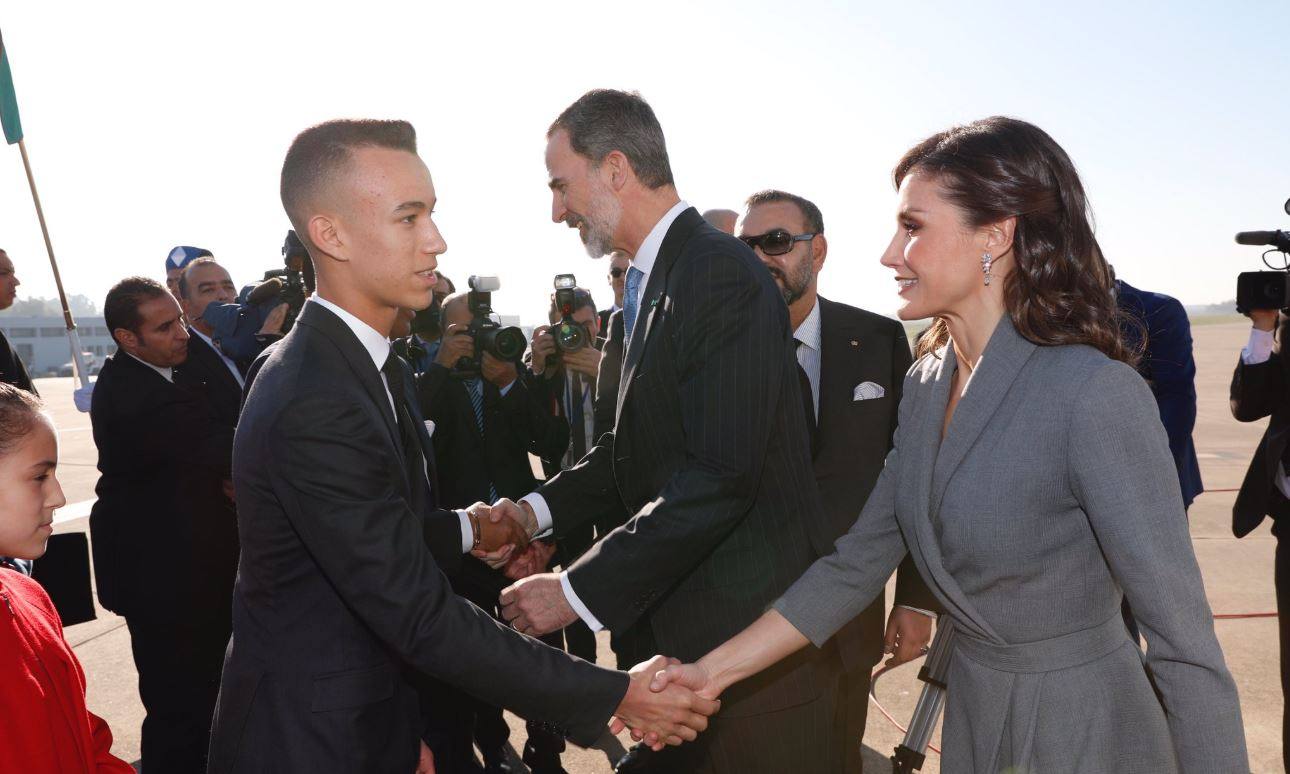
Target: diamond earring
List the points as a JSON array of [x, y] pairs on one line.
[[985, 268]]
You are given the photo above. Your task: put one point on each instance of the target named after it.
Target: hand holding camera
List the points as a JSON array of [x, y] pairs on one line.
[[544, 352]]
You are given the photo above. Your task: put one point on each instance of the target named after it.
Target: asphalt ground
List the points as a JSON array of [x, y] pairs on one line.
[[1238, 578]]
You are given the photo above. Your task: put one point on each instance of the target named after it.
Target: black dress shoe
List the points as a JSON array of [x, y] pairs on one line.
[[498, 767], [636, 761]]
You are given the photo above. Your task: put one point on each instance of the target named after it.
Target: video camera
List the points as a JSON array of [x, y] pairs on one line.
[[236, 325], [502, 342], [1265, 289], [569, 335]]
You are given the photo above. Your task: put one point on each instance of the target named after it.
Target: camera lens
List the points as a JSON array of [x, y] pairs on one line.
[[507, 343], [570, 337]]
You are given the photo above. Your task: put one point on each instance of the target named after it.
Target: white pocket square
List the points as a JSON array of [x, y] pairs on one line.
[[430, 427], [868, 391]]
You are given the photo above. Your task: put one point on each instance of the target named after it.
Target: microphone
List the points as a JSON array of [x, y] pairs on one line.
[[270, 288], [1278, 239]]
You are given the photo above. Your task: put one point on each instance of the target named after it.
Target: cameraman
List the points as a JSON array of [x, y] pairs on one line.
[[484, 428], [571, 377], [1260, 388]]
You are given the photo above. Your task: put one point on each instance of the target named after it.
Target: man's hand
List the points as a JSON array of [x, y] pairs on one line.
[[500, 372], [533, 559], [273, 322], [536, 605], [499, 535], [425, 763], [585, 361], [908, 635], [662, 712], [521, 513], [542, 348], [1264, 319], [456, 345]]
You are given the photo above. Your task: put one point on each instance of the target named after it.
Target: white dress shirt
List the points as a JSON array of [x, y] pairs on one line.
[[378, 348], [166, 373], [232, 367], [643, 261], [1258, 350], [809, 352]]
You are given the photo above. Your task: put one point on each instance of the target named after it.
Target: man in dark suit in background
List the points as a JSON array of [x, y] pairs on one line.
[[852, 366], [12, 370], [1261, 388], [708, 453], [163, 530], [1170, 370], [338, 593], [619, 262], [485, 427]]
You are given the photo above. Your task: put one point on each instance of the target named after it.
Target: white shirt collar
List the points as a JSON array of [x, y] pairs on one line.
[[648, 251], [809, 331], [166, 373], [377, 346]]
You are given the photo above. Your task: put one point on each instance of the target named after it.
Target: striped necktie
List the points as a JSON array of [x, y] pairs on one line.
[[631, 300], [476, 389]]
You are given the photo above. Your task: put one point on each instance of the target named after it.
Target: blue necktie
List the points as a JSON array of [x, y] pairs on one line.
[[631, 300], [476, 389]]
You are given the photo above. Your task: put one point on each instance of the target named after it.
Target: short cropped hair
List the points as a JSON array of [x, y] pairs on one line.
[[121, 308], [183, 277], [320, 153], [19, 412], [814, 218], [606, 120]]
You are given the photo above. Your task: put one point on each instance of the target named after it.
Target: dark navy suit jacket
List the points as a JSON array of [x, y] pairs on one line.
[[1169, 368]]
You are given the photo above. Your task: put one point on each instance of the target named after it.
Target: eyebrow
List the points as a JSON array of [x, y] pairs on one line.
[[554, 182], [418, 205], [45, 465], [912, 211]]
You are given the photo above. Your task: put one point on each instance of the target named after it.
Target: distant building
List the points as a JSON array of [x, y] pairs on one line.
[[41, 342]]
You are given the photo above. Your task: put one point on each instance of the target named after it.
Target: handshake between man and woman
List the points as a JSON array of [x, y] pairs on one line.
[[667, 702]]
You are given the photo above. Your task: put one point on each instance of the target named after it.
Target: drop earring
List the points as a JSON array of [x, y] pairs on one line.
[[985, 268]]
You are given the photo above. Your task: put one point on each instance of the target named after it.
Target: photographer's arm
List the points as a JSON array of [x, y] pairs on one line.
[[1259, 383]]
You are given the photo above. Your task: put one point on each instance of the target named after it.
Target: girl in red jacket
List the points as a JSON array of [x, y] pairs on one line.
[[44, 725]]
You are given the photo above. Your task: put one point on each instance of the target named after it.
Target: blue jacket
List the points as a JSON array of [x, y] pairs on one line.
[[1169, 368]]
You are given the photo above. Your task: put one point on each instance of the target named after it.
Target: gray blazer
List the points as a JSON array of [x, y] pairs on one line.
[[1052, 496]]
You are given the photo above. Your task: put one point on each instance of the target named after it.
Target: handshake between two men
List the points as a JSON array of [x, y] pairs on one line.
[[663, 705]]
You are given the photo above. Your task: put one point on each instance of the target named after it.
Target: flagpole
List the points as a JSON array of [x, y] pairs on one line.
[[73, 337]]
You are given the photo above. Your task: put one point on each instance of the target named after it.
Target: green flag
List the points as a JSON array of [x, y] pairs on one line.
[[8, 100]]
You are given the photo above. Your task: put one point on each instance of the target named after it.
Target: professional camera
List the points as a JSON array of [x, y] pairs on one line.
[[236, 325], [569, 335], [503, 343], [1265, 289]]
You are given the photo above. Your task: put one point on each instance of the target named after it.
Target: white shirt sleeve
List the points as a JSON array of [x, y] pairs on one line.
[[540, 510], [467, 532], [576, 604], [1259, 348]]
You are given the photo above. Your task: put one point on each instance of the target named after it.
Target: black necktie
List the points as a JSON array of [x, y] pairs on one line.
[[413, 456], [808, 403]]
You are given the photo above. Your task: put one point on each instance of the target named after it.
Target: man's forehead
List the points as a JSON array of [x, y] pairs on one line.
[[210, 272], [388, 176], [771, 215], [5, 263]]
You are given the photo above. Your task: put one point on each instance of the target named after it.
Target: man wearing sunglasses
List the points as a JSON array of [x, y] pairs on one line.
[[619, 263], [851, 364]]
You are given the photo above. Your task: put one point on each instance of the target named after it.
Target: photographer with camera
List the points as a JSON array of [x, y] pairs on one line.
[[1261, 388], [486, 421], [566, 354]]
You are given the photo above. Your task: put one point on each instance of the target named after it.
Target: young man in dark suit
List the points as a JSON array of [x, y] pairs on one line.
[[339, 591], [12, 370], [163, 530], [852, 366], [708, 454], [1261, 388]]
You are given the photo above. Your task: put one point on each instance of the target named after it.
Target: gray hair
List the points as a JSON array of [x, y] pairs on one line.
[[606, 120]]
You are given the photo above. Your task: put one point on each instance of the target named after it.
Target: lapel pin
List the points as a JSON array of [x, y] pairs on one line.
[[855, 343]]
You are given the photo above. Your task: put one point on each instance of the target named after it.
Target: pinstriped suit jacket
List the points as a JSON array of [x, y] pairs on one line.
[[1052, 495], [709, 455]]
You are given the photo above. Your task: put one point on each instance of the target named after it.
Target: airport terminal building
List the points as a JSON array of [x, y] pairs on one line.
[[41, 342]]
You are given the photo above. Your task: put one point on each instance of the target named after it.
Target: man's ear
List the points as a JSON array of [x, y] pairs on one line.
[[325, 234], [820, 248], [617, 169], [126, 338]]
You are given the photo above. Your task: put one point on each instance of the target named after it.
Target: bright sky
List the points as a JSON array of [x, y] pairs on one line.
[[156, 124]]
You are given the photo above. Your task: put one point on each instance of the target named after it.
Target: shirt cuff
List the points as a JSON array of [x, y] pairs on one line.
[[927, 613], [1259, 348], [576, 604], [508, 387], [540, 510], [467, 532]]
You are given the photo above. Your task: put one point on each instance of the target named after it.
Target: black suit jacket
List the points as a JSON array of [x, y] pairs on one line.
[[12, 370], [162, 531], [1258, 391], [709, 455], [205, 364], [852, 444], [337, 594], [609, 376]]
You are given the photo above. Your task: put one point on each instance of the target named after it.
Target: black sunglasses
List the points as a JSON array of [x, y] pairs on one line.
[[775, 242], [617, 272]]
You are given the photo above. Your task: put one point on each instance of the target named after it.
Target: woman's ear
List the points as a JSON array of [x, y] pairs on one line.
[[997, 237]]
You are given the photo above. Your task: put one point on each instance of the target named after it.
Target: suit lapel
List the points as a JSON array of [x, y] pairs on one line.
[[321, 319], [212, 361], [654, 300], [839, 370], [1001, 362]]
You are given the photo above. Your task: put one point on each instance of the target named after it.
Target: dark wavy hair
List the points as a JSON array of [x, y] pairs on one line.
[[1061, 289], [19, 412]]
